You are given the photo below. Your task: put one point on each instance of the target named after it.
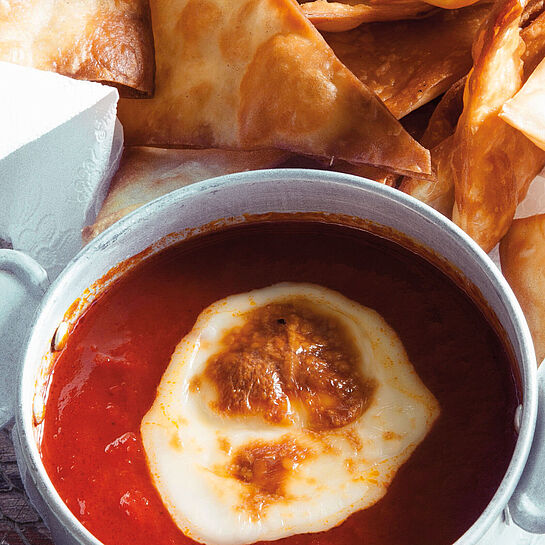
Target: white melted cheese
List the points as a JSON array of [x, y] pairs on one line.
[[190, 446]]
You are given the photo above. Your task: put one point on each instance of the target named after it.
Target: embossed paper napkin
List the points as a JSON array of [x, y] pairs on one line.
[[59, 145]]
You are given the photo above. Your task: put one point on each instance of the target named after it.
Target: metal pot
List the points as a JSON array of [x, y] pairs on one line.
[[519, 498]]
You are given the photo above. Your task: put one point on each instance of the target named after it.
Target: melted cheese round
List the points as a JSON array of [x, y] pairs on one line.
[[283, 411]]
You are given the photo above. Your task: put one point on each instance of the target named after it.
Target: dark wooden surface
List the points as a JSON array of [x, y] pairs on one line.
[[19, 522]]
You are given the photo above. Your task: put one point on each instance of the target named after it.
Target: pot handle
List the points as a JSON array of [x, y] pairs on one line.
[[22, 284], [527, 504]]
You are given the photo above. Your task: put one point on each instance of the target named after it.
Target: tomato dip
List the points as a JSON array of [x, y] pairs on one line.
[[105, 378]]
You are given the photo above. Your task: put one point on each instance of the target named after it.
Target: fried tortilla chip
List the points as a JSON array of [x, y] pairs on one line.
[[445, 117], [518, 172], [342, 16], [526, 110], [439, 192], [379, 175], [147, 173], [492, 163], [415, 124], [532, 9], [239, 74], [409, 63], [109, 41], [365, 171], [522, 255], [451, 4], [534, 39]]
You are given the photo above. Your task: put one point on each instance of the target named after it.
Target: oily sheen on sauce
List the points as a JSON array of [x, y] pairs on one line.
[[105, 379]]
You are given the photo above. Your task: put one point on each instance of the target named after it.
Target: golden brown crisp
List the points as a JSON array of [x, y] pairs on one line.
[[147, 173], [522, 254], [445, 117], [253, 74], [415, 124], [526, 110], [265, 466], [532, 10], [492, 163], [534, 39], [109, 41], [379, 175], [439, 192], [342, 16], [409, 63]]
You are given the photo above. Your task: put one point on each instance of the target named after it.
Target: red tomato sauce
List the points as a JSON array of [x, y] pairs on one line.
[[104, 380]]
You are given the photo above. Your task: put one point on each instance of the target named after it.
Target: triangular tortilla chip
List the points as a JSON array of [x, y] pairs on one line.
[[439, 192], [409, 63], [522, 254], [492, 163], [147, 173], [250, 75], [415, 124], [445, 117], [109, 41], [526, 110], [341, 16]]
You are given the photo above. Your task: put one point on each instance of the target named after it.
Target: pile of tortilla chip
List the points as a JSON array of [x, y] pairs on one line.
[[442, 99]]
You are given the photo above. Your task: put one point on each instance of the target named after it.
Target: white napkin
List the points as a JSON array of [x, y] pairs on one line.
[[59, 147]]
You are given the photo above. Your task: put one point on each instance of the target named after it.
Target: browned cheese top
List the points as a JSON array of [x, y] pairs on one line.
[[265, 466], [290, 360]]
